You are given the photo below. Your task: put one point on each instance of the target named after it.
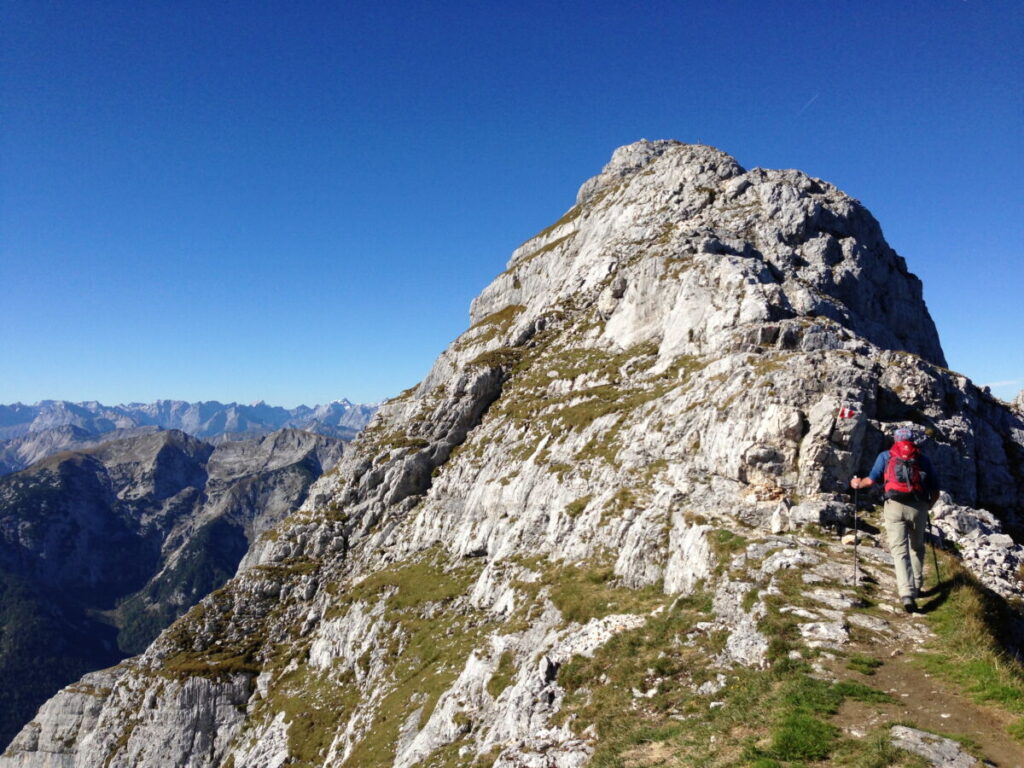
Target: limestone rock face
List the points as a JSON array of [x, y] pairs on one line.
[[621, 455], [743, 248], [937, 750]]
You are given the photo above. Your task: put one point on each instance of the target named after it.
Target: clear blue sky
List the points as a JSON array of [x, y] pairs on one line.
[[296, 201]]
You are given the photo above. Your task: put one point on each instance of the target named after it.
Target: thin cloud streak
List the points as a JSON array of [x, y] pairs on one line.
[[810, 101]]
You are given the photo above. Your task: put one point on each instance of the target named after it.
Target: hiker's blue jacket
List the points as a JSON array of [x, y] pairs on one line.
[[928, 476]]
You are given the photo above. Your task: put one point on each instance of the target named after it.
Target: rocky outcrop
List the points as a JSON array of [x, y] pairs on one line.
[[937, 750], [573, 513], [994, 556]]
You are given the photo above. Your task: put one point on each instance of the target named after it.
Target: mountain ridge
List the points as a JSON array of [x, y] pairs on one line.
[[34, 431], [603, 514], [100, 548], [193, 417]]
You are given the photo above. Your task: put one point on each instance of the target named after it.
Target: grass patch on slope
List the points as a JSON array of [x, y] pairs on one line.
[[414, 584], [599, 689], [503, 676], [424, 643], [605, 384], [581, 593], [491, 326], [969, 620], [642, 693], [775, 718], [197, 656], [866, 665]]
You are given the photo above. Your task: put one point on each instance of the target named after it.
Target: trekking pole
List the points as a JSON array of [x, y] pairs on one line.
[[932, 528], [856, 536]]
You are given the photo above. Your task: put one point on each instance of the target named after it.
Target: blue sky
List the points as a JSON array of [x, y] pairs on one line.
[[296, 201]]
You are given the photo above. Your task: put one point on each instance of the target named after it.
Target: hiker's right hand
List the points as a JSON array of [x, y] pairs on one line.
[[856, 482]]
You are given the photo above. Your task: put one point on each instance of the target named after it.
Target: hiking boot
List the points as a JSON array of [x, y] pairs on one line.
[[909, 605]]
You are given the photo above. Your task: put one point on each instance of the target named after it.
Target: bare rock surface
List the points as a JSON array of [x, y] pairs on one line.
[[635, 447], [937, 750]]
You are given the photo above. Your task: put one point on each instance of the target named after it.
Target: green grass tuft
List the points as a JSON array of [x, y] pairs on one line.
[[866, 665], [800, 736], [503, 675], [851, 689], [575, 508], [969, 621]]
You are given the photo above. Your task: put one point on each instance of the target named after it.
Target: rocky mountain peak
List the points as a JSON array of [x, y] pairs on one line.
[[629, 159], [679, 245]]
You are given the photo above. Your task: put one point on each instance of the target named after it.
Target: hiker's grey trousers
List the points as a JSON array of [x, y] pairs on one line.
[[905, 524]]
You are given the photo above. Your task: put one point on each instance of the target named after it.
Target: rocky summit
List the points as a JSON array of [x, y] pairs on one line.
[[603, 529]]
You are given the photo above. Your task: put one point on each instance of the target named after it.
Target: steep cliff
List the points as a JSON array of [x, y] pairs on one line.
[[103, 548], [599, 521]]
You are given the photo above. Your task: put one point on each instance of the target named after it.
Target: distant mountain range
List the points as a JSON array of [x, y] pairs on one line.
[[115, 520], [29, 433]]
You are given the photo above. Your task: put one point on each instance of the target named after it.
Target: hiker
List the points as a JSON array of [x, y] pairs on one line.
[[911, 487]]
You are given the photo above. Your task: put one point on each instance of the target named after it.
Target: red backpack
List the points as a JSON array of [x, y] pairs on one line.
[[903, 472]]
